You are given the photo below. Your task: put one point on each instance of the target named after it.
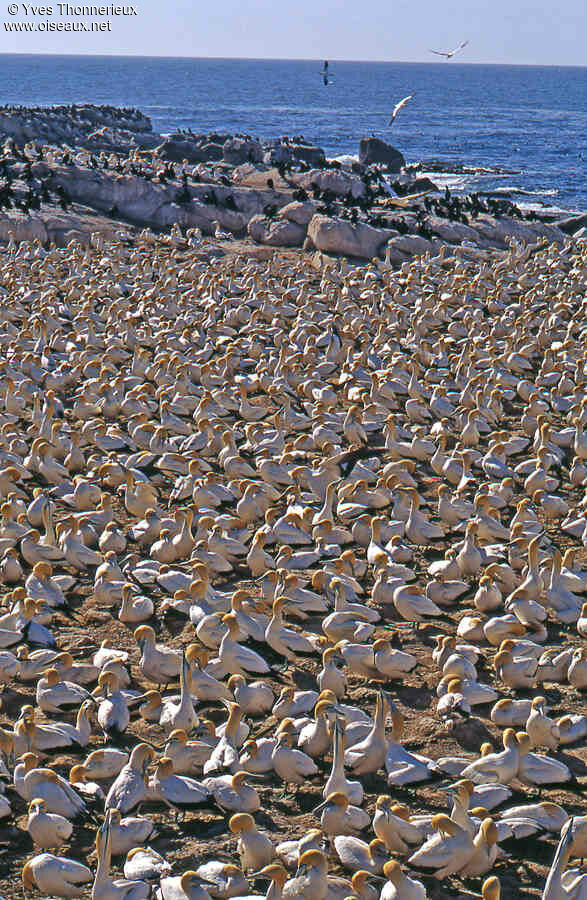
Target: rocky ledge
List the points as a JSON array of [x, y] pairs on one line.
[[71, 170]]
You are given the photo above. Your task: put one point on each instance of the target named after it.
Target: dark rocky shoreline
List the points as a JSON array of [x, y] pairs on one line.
[[69, 171]]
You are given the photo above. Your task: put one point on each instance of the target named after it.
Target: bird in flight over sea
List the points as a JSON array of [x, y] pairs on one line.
[[448, 54], [325, 73], [399, 106]]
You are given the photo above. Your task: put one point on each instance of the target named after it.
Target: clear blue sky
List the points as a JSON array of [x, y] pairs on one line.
[[500, 31]]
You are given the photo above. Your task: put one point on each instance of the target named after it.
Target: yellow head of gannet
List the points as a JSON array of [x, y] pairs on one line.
[[274, 872], [241, 822], [393, 872]]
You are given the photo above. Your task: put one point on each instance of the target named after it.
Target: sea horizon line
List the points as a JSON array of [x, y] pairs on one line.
[[417, 62]]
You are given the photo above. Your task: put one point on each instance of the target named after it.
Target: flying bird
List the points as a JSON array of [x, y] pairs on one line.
[[399, 106], [325, 73], [449, 53]]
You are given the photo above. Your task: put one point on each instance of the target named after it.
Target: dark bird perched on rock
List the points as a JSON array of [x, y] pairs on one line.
[[210, 198], [5, 198], [63, 197], [183, 196], [377, 221], [399, 225], [34, 201]]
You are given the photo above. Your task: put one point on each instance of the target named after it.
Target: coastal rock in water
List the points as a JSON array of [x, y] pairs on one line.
[[313, 156], [374, 150], [299, 212], [276, 232], [341, 237], [239, 150], [407, 184]]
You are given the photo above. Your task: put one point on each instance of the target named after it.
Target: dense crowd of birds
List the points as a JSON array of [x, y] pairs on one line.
[[285, 495]]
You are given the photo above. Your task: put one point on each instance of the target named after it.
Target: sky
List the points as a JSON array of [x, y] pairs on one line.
[[499, 31]]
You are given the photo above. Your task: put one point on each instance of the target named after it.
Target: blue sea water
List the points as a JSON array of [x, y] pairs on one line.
[[531, 119]]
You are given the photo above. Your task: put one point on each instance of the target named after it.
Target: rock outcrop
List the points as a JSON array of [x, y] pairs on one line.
[[70, 125], [279, 153], [177, 148], [332, 235], [261, 192], [276, 232], [455, 232], [57, 228], [337, 182], [572, 224], [143, 202], [414, 245], [408, 184], [299, 212], [374, 150], [240, 150]]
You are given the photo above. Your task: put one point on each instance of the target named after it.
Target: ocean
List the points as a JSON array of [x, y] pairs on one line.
[[531, 120]]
